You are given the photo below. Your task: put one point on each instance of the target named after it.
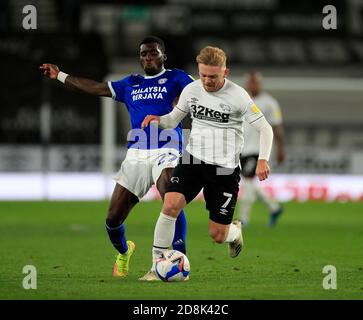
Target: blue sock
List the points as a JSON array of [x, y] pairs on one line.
[[117, 237], [180, 233]]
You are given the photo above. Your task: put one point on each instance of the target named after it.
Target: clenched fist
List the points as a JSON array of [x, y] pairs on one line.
[[49, 70]]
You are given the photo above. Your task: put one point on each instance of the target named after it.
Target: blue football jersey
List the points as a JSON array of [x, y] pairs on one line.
[[144, 95]]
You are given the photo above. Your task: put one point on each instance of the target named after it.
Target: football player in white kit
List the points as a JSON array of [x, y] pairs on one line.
[[218, 108], [252, 189]]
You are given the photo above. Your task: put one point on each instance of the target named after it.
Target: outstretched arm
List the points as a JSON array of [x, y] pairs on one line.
[[82, 84]]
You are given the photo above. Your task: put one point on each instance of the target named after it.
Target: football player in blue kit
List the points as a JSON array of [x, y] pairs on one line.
[[151, 156]]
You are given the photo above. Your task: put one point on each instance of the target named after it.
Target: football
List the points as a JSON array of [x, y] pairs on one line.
[[173, 266]]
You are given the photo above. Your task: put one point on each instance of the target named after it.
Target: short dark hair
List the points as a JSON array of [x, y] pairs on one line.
[[153, 39]]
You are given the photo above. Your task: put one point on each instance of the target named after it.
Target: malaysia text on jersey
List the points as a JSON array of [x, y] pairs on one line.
[[145, 95]]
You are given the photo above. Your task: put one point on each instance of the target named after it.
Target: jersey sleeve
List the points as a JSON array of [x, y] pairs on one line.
[[249, 109], [117, 89]]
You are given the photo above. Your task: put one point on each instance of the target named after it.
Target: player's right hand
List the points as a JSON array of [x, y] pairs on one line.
[[148, 119], [49, 70]]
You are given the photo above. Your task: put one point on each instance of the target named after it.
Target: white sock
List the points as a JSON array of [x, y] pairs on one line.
[[163, 236], [233, 233], [272, 204], [247, 200]]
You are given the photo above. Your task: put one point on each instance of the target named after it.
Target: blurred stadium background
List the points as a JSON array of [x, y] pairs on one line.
[[57, 144], [53, 140]]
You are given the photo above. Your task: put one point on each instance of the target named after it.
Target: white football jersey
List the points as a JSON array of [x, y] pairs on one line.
[[217, 121], [272, 112]]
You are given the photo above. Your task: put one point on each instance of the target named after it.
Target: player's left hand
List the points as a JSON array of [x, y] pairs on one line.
[[262, 169], [148, 119]]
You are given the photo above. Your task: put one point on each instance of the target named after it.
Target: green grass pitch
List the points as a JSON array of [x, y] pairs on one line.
[[68, 245]]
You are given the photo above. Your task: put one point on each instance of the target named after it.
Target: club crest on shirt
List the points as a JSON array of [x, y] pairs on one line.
[[162, 81], [225, 108]]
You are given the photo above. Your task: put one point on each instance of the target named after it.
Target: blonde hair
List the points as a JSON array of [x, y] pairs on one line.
[[212, 56]]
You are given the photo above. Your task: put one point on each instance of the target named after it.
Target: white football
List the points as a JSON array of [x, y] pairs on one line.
[[173, 266]]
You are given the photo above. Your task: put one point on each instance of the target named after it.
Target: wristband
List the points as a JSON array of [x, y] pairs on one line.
[[62, 76]]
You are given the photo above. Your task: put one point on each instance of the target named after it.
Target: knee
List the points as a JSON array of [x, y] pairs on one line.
[[171, 209], [217, 235]]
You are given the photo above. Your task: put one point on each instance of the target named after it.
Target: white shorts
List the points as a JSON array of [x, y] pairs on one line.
[[142, 168]]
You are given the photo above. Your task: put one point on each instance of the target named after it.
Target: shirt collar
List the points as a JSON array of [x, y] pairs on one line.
[[156, 75]]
